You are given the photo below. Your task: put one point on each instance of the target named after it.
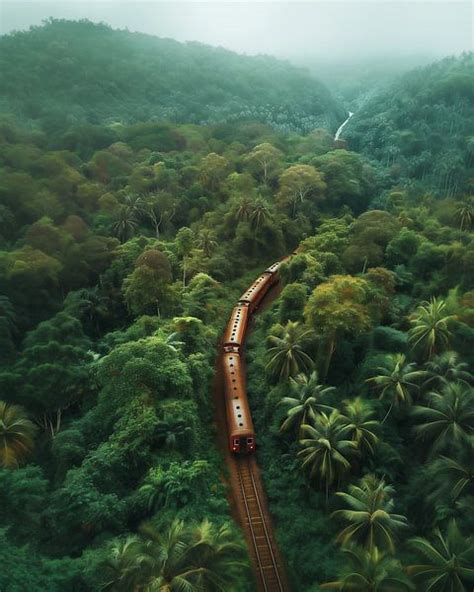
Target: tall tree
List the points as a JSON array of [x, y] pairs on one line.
[[396, 381], [371, 571], [17, 435], [452, 476], [372, 522], [446, 368], [53, 370], [286, 354], [306, 402], [298, 183], [264, 160], [448, 419], [336, 308], [446, 561], [358, 418], [326, 451], [183, 559], [431, 327]]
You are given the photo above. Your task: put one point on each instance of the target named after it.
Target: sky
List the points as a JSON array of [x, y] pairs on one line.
[[296, 30]]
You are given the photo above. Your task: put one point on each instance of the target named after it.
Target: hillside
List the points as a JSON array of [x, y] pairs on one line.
[[421, 127], [65, 72]]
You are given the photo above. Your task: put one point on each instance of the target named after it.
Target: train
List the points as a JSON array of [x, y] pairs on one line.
[[240, 429]]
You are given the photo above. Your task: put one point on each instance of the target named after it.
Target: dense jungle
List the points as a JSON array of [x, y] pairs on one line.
[[144, 184]]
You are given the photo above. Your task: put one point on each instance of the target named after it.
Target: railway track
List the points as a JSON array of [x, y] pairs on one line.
[[266, 558]]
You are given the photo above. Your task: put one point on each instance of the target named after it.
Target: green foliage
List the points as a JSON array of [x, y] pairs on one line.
[[447, 561], [371, 570], [372, 522], [292, 301], [434, 150], [191, 558], [17, 434], [286, 355], [159, 75]]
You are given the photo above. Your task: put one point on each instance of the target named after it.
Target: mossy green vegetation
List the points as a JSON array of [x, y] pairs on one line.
[[125, 240]]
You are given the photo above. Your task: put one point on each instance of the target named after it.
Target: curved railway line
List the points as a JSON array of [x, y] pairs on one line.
[[237, 436]]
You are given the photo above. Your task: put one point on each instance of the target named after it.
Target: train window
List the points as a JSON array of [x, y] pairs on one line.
[[249, 440]]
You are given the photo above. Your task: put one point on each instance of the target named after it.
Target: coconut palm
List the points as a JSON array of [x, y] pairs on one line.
[[449, 419], [452, 476], [396, 381], [125, 224], [17, 435], [287, 357], [305, 403], [447, 561], [372, 522], [465, 215], [123, 571], [183, 559], [259, 213], [371, 571], [362, 428], [445, 368], [430, 327], [244, 209], [326, 450], [206, 241]]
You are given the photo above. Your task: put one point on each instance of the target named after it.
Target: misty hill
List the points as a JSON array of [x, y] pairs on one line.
[[67, 72], [421, 127]]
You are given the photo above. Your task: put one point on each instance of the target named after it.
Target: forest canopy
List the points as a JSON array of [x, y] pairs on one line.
[[135, 208]]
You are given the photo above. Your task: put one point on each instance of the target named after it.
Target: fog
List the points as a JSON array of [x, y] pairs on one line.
[[300, 31]]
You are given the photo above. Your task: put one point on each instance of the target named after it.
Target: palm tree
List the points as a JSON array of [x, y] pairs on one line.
[[371, 571], [326, 451], [125, 224], [123, 571], [244, 209], [447, 561], [287, 355], [306, 402], [183, 559], [449, 418], [17, 434], [362, 428], [259, 213], [396, 380], [372, 522], [445, 368], [465, 215], [430, 327], [206, 241], [452, 476]]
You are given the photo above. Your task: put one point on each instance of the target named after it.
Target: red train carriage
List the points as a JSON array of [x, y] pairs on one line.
[[234, 335], [241, 434], [274, 268], [256, 292]]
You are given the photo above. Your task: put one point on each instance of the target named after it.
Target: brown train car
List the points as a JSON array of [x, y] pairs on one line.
[[256, 292], [240, 431], [234, 334]]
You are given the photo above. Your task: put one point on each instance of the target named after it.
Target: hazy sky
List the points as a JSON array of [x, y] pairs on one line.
[[348, 28]]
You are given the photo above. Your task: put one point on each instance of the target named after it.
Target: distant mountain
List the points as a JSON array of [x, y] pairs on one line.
[[74, 71], [421, 127]]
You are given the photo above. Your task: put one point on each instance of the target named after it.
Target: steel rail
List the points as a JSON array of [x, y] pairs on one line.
[[251, 516]]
